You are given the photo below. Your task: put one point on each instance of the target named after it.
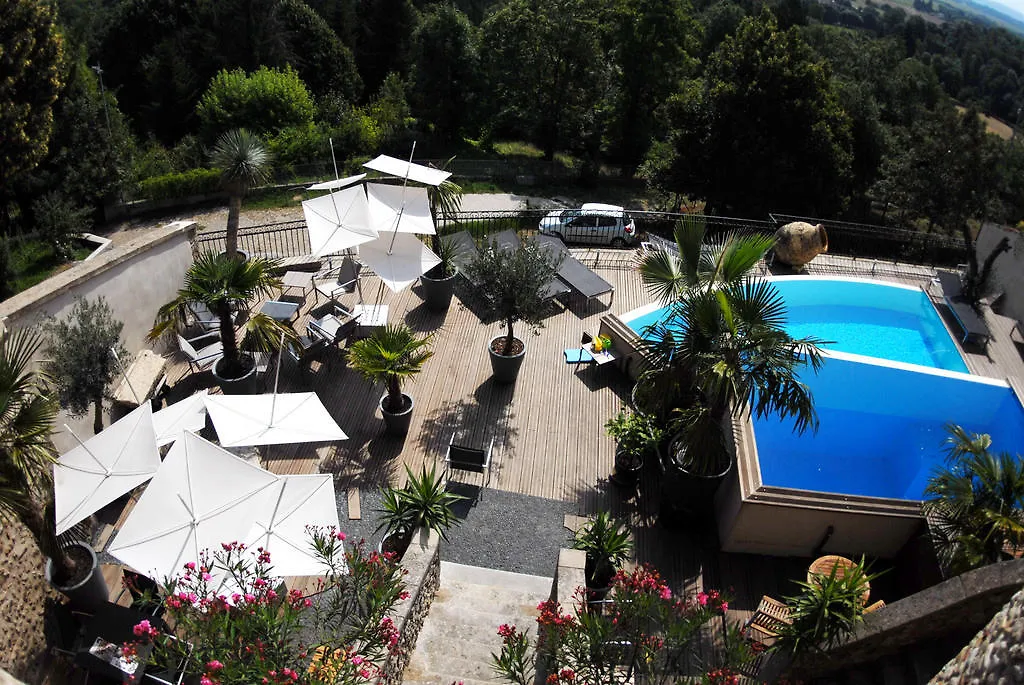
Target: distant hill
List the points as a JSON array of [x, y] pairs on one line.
[[992, 11]]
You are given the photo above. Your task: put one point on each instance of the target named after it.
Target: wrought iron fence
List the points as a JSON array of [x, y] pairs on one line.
[[279, 240]]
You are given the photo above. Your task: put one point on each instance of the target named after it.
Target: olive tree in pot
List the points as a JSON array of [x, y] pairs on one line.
[[390, 356], [27, 456], [512, 285], [724, 341], [224, 285], [636, 436], [422, 503], [607, 544]]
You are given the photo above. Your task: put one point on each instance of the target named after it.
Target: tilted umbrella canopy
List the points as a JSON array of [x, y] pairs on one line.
[[338, 220], [394, 208], [337, 183], [188, 414], [398, 259], [104, 467], [281, 528], [271, 419], [202, 496], [403, 169]]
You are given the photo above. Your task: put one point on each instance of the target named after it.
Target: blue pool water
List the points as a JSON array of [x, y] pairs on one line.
[[882, 425]]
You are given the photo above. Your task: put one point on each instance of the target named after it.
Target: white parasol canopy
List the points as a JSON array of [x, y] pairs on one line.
[[201, 497], [337, 183], [398, 259], [401, 209], [104, 467], [280, 528], [188, 414], [338, 220], [271, 419], [403, 169]]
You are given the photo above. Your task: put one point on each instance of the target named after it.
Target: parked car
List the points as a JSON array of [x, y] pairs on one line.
[[593, 224]]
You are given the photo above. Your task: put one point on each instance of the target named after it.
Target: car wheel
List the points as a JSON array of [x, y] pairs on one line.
[[618, 242]]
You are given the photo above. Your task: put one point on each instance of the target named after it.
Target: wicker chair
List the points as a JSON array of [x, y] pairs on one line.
[[770, 618]]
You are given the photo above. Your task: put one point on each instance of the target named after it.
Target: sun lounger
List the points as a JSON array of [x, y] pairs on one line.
[[464, 247], [974, 328], [574, 273], [508, 240]]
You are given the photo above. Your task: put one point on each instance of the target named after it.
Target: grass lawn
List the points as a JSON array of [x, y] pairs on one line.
[[34, 261]]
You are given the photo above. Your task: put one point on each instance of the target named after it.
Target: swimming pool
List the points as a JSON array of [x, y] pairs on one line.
[[885, 321]]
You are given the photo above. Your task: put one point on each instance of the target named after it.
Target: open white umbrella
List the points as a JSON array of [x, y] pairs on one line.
[[403, 169], [271, 419], [398, 259], [201, 497], [337, 183], [281, 528], [104, 467], [188, 414], [399, 209], [338, 220]]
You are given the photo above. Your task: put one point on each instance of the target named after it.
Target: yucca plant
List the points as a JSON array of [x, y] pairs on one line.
[[244, 162], [607, 544], [391, 355], [422, 503]]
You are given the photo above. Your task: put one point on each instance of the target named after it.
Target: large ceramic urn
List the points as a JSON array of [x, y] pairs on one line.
[[798, 243]]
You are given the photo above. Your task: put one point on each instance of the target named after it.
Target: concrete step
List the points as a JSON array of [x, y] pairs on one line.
[[461, 631]]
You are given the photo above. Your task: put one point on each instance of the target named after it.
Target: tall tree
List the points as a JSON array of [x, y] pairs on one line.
[[383, 39], [763, 130], [244, 162], [31, 51]]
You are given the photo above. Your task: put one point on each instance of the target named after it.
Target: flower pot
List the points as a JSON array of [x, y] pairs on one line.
[[686, 497], [244, 385], [242, 255], [505, 369], [437, 292], [627, 468], [397, 422], [395, 542], [87, 593]]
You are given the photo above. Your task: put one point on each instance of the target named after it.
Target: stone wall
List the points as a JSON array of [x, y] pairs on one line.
[[422, 563], [995, 655], [23, 597]]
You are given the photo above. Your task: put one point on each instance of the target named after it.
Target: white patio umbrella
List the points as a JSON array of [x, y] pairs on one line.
[[395, 208], [398, 259], [188, 414], [104, 467], [271, 419], [408, 169], [337, 183], [338, 220], [201, 496], [281, 528]]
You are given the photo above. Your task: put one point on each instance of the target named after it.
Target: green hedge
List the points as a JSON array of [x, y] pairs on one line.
[[169, 186]]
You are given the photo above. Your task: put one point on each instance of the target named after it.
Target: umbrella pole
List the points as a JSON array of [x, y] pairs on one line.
[[277, 375], [125, 374], [405, 182], [334, 159]]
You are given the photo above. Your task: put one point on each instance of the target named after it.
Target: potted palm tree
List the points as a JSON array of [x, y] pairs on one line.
[[439, 282], [390, 356], [422, 503], [244, 162], [975, 504], [607, 544], [512, 285], [27, 456], [224, 284], [724, 341]]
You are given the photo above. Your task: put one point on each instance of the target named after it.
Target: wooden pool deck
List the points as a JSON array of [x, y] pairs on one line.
[[548, 428]]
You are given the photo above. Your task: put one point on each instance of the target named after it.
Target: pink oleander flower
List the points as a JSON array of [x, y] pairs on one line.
[[665, 593], [358, 660], [191, 566], [214, 665], [702, 599], [259, 582], [725, 607], [205, 680], [207, 577], [340, 536]]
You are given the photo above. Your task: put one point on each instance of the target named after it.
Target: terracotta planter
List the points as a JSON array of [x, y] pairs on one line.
[[397, 423], [437, 292], [245, 385], [88, 593], [505, 369]]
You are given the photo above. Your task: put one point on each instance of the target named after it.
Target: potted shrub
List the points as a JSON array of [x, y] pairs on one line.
[[607, 544], [636, 439], [243, 161], [422, 503], [511, 285], [390, 356], [224, 285], [439, 282], [27, 456]]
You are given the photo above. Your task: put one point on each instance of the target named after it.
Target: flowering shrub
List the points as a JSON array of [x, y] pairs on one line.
[[641, 633], [255, 633]]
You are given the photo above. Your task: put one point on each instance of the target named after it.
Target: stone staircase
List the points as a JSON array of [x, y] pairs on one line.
[[461, 630]]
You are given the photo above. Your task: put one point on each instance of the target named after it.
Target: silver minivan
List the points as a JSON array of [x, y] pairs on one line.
[[592, 224]]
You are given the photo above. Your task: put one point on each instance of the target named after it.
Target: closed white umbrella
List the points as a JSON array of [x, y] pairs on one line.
[[104, 467], [338, 220], [188, 414], [202, 496], [297, 502], [398, 259], [271, 419], [398, 209]]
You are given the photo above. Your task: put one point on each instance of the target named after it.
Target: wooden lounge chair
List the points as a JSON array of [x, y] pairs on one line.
[[463, 458], [465, 248], [971, 322]]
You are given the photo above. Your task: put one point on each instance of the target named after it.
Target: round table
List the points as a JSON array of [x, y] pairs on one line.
[[823, 566]]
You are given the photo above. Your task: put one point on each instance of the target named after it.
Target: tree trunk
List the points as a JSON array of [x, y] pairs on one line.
[[507, 350], [231, 236], [43, 531], [97, 416], [227, 337], [394, 394]]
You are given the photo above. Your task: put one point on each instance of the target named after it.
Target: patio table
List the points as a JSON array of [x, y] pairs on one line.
[[823, 566], [280, 310], [602, 357], [303, 280], [370, 317]]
